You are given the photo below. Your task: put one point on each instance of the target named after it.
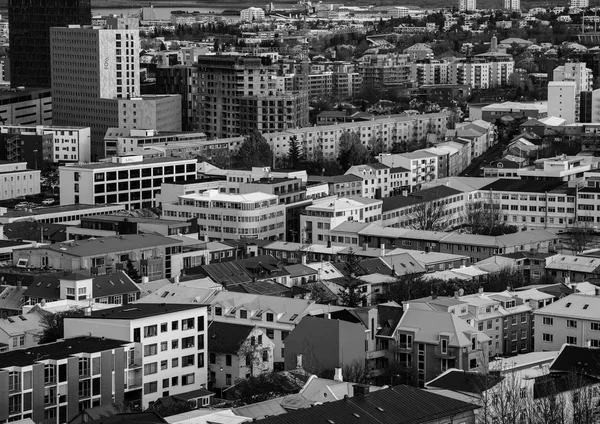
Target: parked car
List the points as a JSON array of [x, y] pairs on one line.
[[49, 201]]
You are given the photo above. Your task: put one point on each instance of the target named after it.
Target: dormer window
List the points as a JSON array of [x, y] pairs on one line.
[[243, 314], [218, 311], [444, 346], [269, 317]]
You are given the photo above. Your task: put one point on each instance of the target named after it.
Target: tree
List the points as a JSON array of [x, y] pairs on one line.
[[254, 151], [581, 234], [350, 294], [294, 156], [132, 272], [351, 150], [319, 293], [485, 217], [172, 408], [430, 215], [253, 354], [268, 385], [508, 278], [52, 325], [376, 146]]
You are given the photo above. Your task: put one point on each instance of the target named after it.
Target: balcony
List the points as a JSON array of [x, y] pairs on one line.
[[376, 354], [134, 380], [448, 353]]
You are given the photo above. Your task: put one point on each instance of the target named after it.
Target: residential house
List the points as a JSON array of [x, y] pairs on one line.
[[423, 165], [172, 337], [237, 352], [11, 300], [426, 343], [20, 331], [569, 268], [574, 320], [52, 383], [149, 253], [116, 288], [275, 316], [431, 261], [376, 179]]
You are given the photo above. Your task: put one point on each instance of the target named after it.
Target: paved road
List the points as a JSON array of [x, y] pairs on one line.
[[493, 153]]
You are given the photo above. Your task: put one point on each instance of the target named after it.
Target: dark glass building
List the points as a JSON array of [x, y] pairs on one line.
[[29, 28]]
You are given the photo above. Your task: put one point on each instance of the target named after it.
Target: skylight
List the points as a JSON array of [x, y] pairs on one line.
[[165, 294], [568, 304], [293, 317], [586, 306]]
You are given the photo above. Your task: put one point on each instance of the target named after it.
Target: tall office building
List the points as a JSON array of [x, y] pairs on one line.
[[465, 5], [29, 36], [514, 5], [239, 94], [95, 82]]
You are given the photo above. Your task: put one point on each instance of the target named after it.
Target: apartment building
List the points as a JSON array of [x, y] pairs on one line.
[[325, 214], [52, 383], [182, 80], [43, 145], [71, 214], [231, 216], [533, 204], [323, 141], [423, 165], [20, 331], [559, 168], [563, 100], [491, 112], [382, 72], [425, 343], [173, 339], [150, 254], [376, 179], [574, 319], [239, 94], [17, 180], [128, 180]]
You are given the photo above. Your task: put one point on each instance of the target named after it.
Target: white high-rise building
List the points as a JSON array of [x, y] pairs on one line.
[[582, 4], [579, 74], [563, 100], [514, 5], [464, 5], [252, 14]]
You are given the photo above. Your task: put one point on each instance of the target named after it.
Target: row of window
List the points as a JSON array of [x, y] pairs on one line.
[[186, 380], [186, 361]]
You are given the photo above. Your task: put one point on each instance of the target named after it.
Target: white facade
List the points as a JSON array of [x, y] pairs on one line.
[[422, 165], [465, 5], [173, 340], [231, 216], [16, 180], [252, 14], [581, 4], [326, 214], [69, 144], [514, 5], [127, 180], [562, 100]]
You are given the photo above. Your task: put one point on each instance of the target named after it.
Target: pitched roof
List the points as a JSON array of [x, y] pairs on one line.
[[263, 287], [464, 381], [395, 405], [577, 359], [11, 297], [574, 305], [388, 319], [224, 337], [44, 287], [589, 265], [117, 283]]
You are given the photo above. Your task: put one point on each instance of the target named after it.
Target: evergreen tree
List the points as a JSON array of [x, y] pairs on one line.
[[294, 156], [132, 272], [350, 295], [254, 151], [351, 151]]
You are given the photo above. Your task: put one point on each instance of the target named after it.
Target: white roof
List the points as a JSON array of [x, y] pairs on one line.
[[553, 121], [229, 197], [575, 305], [532, 294], [471, 271], [327, 270], [207, 416]]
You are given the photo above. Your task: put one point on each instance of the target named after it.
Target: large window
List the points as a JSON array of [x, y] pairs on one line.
[[151, 368], [187, 342], [84, 367], [14, 381], [84, 388], [187, 324], [151, 387], [49, 374], [150, 350], [187, 360], [188, 379], [150, 331], [547, 321]]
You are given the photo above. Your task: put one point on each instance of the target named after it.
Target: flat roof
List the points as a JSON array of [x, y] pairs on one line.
[[141, 310], [58, 350], [525, 186], [61, 209], [145, 161]]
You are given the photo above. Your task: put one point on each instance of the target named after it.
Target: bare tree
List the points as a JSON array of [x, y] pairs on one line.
[[485, 217], [429, 215], [581, 233], [355, 372], [504, 398], [255, 354]]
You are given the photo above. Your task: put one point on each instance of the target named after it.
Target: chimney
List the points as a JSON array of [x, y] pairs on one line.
[[176, 279], [456, 295], [19, 284], [364, 246], [299, 361], [361, 390], [87, 311], [303, 255], [145, 279], [382, 249], [480, 290], [338, 375]]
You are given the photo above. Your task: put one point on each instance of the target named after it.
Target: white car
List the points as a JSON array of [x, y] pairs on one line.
[[48, 202]]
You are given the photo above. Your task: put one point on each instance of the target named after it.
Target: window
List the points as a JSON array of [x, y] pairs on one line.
[[187, 342], [188, 379], [175, 325], [164, 364], [218, 311], [150, 350], [14, 381], [228, 360], [14, 404], [163, 346], [174, 344], [174, 362], [201, 323], [150, 331], [548, 338], [165, 383], [270, 333], [571, 340], [151, 368], [595, 326], [164, 327], [151, 387], [406, 341], [269, 317], [243, 314], [444, 346], [547, 321], [571, 323], [84, 388], [84, 367], [473, 363], [49, 373], [174, 381], [187, 324], [187, 361], [201, 360], [284, 335], [228, 379], [265, 355]]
